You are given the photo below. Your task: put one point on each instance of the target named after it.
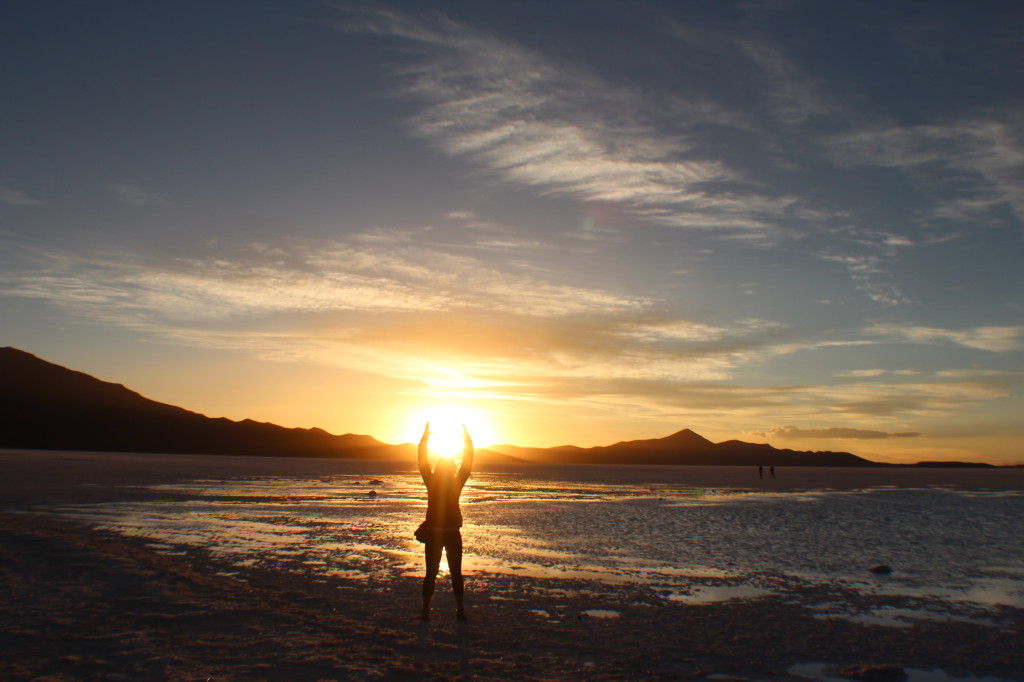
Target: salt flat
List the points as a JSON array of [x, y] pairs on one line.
[[588, 572]]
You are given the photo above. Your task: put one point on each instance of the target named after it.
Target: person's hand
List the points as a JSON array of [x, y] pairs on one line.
[[426, 429], [465, 434]]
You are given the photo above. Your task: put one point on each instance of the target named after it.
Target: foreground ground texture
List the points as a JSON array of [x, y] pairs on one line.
[[77, 603]]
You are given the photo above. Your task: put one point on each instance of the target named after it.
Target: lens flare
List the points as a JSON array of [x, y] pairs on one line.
[[446, 434], [446, 439]]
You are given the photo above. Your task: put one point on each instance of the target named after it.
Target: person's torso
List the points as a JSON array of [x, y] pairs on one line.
[[443, 504]]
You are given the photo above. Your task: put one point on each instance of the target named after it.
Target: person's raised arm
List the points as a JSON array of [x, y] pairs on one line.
[[421, 454], [467, 455]]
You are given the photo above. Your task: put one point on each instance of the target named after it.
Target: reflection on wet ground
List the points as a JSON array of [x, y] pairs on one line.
[[707, 594], [955, 555]]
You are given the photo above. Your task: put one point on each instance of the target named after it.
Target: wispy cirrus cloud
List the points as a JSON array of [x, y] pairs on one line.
[[834, 432], [135, 194], [870, 272], [321, 278], [407, 306], [861, 373], [711, 401], [991, 338], [759, 160], [562, 130], [793, 94], [974, 164], [14, 197], [964, 172], [905, 401]]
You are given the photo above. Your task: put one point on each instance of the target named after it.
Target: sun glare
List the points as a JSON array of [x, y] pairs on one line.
[[446, 439], [446, 428]]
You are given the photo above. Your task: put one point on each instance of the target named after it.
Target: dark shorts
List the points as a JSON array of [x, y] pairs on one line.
[[444, 536]]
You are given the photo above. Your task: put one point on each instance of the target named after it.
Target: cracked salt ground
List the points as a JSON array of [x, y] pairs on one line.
[[956, 554]]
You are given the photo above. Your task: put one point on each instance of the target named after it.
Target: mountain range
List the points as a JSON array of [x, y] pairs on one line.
[[685, 447], [47, 406]]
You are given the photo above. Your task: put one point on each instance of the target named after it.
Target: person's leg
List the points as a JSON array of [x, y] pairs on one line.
[[432, 551], [453, 548]]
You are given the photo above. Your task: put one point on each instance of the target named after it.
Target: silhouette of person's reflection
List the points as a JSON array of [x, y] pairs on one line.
[[440, 531]]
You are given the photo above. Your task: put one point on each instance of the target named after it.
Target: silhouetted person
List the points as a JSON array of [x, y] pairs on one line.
[[441, 529], [771, 471], [760, 471]]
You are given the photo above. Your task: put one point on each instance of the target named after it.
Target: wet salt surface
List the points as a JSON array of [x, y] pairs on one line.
[[601, 613], [823, 672], [957, 555]]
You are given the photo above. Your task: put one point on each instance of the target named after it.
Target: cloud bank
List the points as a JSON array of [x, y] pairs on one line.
[[833, 432]]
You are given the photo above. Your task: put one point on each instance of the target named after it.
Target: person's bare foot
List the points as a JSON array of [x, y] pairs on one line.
[[461, 615], [425, 615]]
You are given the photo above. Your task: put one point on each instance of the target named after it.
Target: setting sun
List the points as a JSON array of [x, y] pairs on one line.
[[446, 422], [446, 441]]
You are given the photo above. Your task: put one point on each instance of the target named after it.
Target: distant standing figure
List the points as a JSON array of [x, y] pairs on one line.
[[440, 531], [760, 471], [771, 471]]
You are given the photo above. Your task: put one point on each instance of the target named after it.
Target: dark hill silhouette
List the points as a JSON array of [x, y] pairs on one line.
[[685, 447], [46, 406]]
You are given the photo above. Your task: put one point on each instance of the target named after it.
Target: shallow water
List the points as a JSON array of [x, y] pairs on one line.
[[955, 554]]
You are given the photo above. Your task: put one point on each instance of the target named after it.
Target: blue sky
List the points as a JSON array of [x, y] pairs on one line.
[[789, 222]]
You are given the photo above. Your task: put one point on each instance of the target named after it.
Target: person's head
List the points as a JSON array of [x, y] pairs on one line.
[[445, 468]]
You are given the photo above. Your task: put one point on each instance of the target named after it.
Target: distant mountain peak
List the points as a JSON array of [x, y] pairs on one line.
[[686, 436], [684, 440]]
